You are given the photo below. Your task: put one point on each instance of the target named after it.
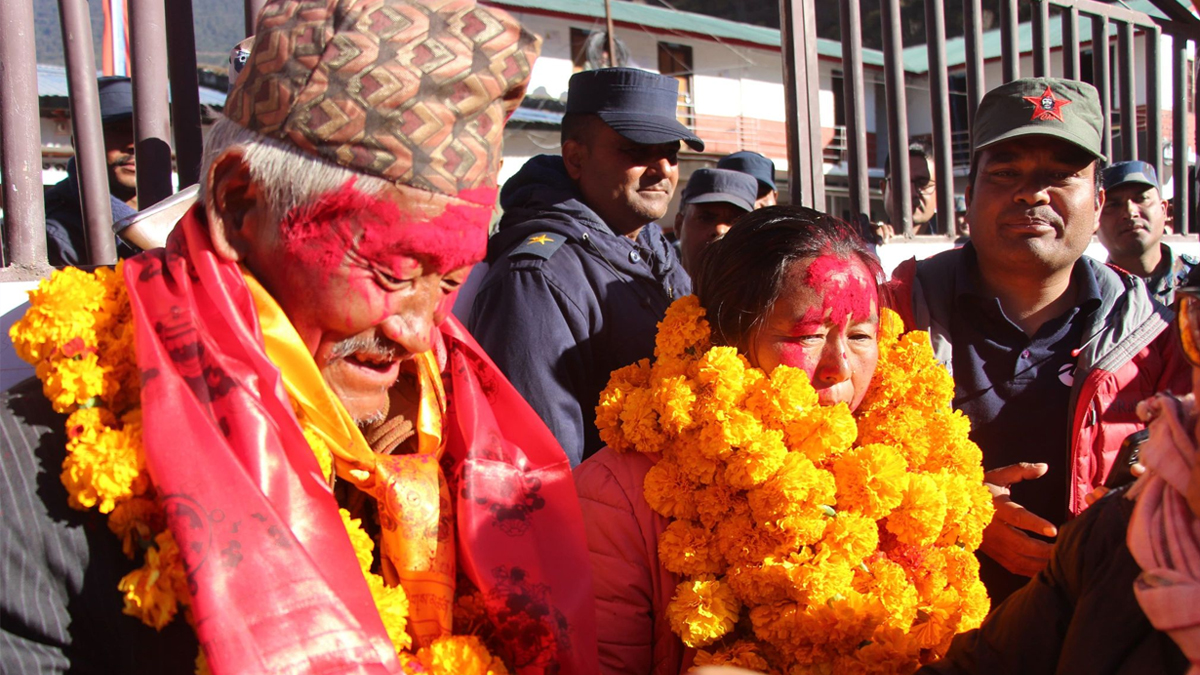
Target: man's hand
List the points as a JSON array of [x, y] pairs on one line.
[[1003, 540]]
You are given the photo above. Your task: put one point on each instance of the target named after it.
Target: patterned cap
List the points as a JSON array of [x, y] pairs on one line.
[[1040, 106], [413, 91]]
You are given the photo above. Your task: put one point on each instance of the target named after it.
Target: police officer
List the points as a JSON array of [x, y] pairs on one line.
[[579, 273], [1132, 225], [711, 201], [763, 170]]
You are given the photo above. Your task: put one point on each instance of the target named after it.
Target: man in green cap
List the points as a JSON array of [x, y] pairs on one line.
[[1050, 351]]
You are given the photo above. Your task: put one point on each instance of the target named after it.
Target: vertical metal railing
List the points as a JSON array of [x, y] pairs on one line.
[[897, 117], [1010, 44], [1181, 201], [23, 250], [939, 101], [1125, 67], [801, 78], [86, 129], [20, 144], [1152, 151], [1100, 77], [856, 117]]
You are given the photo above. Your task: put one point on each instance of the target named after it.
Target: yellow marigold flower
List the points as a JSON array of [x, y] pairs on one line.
[[918, 520], [826, 433], [460, 655], [694, 465], [669, 492], [976, 605], [962, 567], [364, 547], [105, 467], [135, 522], [703, 611], [741, 654], [612, 403], [683, 331], [639, 421], [71, 382], [63, 307], [886, 582], [850, 538], [320, 450], [765, 582], [673, 399], [889, 651], [890, 327], [722, 370], [814, 583], [796, 484], [776, 622], [154, 592], [392, 603], [718, 502], [870, 480], [688, 549], [741, 542], [757, 461]]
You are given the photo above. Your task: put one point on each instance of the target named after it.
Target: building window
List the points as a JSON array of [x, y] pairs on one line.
[[676, 61]]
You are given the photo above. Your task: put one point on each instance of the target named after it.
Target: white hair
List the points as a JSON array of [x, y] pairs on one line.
[[287, 176]]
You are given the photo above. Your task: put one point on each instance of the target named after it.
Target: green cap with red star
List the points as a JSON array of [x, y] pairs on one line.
[[1040, 106]]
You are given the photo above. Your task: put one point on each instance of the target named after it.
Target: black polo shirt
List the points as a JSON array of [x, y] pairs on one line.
[[1016, 390]]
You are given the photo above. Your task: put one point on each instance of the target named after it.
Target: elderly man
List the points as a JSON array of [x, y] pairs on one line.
[[66, 233], [580, 274], [1050, 351], [711, 201], [761, 168], [304, 298], [1131, 228]]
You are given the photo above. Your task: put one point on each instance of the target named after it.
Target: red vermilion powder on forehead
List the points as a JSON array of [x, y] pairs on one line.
[[323, 232], [847, 291]]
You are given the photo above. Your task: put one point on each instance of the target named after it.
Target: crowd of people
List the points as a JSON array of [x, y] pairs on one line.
[[335, 425]]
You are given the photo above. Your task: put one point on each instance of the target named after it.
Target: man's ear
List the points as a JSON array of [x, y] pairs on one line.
[[679, 220], [574, 154], [233, 207], [1100, 197]]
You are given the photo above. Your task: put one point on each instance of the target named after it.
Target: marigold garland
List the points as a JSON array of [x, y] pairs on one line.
[[78, 334], [809, 539]]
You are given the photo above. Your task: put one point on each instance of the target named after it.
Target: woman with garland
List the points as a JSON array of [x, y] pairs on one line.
[[786, 487]]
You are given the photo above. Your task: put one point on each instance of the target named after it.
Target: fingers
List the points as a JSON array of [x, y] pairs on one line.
[[1016, 551], [1015, 473], [1015, 515], [1137, 468], [1091, 497]]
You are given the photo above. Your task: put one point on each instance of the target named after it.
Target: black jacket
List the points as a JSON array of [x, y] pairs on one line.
[[60, 610], [1078, 615], [559, 313], [66, 239]]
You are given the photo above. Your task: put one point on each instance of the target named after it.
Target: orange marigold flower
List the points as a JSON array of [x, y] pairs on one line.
[[702, 611]]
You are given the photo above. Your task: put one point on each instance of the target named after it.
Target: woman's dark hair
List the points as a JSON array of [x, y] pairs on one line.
[[740, 275]]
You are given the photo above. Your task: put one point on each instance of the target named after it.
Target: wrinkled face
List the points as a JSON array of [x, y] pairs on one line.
[[1132, 220], [1033, 207], [366, 279], [118, 154], [698, 225], [627, 184], [826, 323], [923, 190]]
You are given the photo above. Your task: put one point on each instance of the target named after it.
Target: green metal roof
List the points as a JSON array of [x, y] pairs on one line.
[[916, 58], [683, 23]]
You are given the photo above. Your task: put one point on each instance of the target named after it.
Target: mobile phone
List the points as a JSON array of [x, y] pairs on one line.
[[1127, 456]]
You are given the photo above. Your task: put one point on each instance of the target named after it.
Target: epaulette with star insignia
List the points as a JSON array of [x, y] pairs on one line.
[[542, 245]]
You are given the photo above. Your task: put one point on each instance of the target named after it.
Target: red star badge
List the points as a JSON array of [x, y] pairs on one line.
[[1046, 107]]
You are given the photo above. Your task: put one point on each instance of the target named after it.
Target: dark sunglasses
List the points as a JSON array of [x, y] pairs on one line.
[[1187, 322]]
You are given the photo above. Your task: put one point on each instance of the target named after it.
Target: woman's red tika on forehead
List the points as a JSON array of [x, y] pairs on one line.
[[846, 291]]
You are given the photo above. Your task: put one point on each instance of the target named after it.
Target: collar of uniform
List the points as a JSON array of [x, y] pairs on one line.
[[968, 289]]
